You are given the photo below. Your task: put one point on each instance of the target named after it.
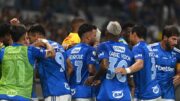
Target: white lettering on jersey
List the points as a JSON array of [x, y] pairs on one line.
[[119, 49], [118, 94], [75, 57]]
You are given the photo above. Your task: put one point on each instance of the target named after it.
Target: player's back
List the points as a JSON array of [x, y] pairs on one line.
[[52, 73], [145, 80], [115, 85], [80, 56]]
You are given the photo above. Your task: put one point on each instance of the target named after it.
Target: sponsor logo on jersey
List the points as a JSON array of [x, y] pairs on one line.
[[117, 94], [165, 58], [155, 50], [138, 55], [119, 49], [76, 50], [11, 93], [101, 54], [155, 89], [164, 68]]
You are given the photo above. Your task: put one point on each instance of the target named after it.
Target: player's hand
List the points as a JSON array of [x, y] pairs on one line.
[[176, 80], [39, 43], [120, 70], [96, 82], [14, 21], [89, 80]]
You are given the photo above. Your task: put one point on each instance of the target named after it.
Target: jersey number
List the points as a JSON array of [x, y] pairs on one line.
[[60, 60], [110, 75], [78, 64]]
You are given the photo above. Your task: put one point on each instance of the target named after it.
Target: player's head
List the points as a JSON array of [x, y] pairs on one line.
[[36, 31], [5, 34], [126, 30], [170, 37], [138, 32], [76, 23], [87, 33], [113, 29], [19, 34]]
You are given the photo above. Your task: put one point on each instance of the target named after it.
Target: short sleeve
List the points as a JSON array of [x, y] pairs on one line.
[[138, 53], [37, 52], [102, 52]]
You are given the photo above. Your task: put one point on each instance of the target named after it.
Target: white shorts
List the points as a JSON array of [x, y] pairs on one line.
[[167, 100], [156, 99], [84, 99], [58, 98]]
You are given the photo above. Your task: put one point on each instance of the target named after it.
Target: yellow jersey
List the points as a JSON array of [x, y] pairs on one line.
[[70, 40]]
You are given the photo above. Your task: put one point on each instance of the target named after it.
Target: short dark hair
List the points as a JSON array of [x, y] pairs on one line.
[[140, 30], [85, 28], [37, 28], [5, 29], [169, 31], [17, 31]]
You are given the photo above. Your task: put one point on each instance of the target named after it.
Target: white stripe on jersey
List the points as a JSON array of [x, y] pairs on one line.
[[176, 50]]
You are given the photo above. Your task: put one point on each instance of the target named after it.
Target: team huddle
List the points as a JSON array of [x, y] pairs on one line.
[[122, 68]]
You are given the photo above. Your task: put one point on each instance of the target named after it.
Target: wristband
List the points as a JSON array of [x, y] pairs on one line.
[[128, 70]]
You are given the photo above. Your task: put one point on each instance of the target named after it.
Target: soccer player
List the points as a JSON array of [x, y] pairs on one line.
[[146, 85], [73, 38], [166, 58], [83, 59], [52, 72], [112, 54], [17, 66]]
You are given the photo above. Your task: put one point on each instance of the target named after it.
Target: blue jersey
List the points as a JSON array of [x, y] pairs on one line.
[[52, 72], [166, 64], [81, 56], [146, 85], [33, 55], [114, 87]]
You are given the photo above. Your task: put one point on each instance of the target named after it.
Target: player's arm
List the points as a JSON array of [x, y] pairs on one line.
[[176, 78], [95, 80], [50, 52], [69, 67], [138, 65]]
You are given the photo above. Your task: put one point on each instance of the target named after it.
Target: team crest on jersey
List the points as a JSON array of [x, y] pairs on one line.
[[76, 50], [119, 49], [117, 94], [155, 89]]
